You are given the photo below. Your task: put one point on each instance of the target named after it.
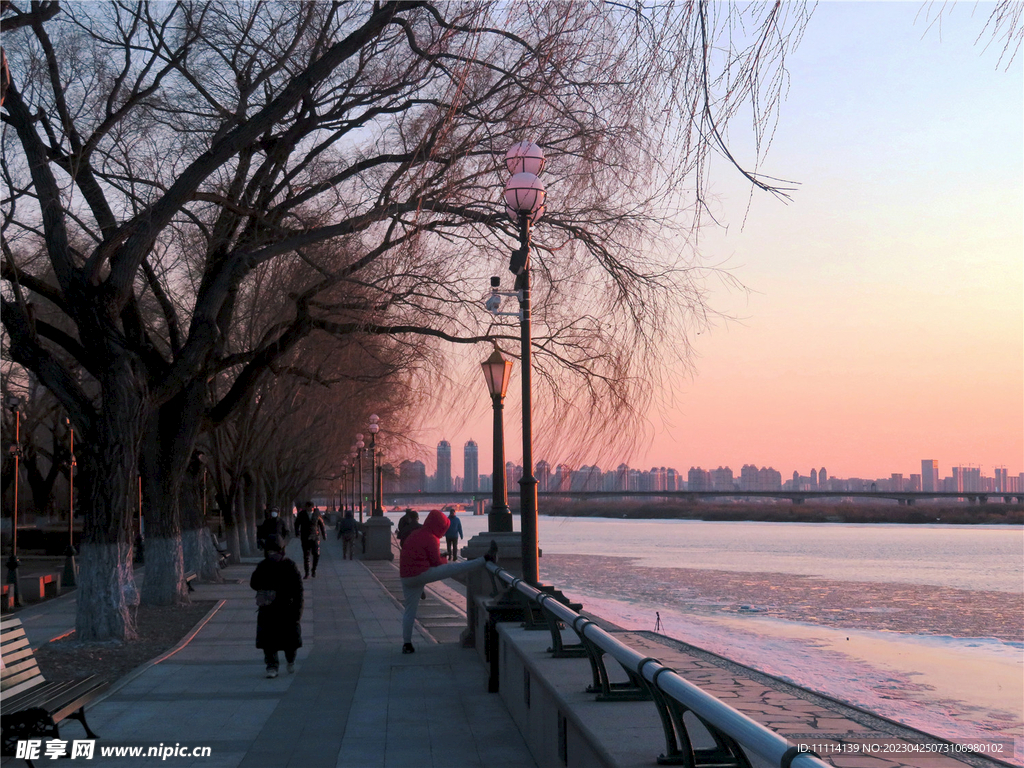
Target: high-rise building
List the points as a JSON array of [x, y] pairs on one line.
[[930, 476], [1001, 480], [721, 479], [698, 479], [443, 482], [471, 468], [823, 479], [542, 473]]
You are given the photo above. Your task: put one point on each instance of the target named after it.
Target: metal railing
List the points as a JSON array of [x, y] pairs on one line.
[[673, 695]]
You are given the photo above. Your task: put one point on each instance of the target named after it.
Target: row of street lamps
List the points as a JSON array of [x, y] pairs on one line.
[[15, 404], [352, 473]]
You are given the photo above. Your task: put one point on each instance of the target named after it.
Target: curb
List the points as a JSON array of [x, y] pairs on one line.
[[122, 682]]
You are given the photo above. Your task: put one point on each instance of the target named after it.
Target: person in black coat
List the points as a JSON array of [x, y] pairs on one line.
[[279, 599], [271, 528], [310, 528]]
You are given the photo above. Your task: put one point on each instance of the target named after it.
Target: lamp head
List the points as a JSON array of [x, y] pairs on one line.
[[525, 156], [497, 371], [525, 194]]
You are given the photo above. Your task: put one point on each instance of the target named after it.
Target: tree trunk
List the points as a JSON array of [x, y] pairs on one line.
[[166, 452], [238, 513], [198, 552], [251, 495], [106, 585]]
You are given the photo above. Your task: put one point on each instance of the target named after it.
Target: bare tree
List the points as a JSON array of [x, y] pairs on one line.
[[190, 146]]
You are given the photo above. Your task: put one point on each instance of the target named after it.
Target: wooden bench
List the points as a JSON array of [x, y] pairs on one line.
[[32, 706], [223, 555], [189, 578]]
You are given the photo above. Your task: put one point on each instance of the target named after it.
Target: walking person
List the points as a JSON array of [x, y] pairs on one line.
[[452, 535], [348, 532], [407, 523], [279, 606], [272, 527], [310, 528], [421, 563]]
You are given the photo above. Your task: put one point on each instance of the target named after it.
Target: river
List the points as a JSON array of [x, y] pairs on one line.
[[922, 624]]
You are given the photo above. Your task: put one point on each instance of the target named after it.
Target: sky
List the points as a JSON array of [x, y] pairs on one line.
[[884, 321]]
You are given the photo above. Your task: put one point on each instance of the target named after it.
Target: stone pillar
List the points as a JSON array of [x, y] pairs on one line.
[[478, 583], [377, 530]]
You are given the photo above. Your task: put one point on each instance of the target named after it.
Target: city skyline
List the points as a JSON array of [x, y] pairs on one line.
[[931, 477], [885, 318]]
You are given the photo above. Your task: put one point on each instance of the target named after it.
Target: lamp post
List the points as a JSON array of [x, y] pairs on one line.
[[377, 532], [496, 373], [70, 568], [359, 445], [13, 402], [524, 201], [375, 508], [343, 488], [352, 478]]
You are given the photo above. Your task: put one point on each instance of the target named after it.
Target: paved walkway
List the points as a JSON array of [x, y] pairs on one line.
[[354, 699]]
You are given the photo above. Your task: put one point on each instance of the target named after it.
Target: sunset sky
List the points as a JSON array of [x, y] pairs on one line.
[[885, 319]]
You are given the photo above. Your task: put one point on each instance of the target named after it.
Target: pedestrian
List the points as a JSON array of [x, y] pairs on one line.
[[407, 523], [278, 606], [310, 528], [421, 563], [452, 535], [271, 527], [348, 532]]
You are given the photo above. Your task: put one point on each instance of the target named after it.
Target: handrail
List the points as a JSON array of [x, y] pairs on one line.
[[762, 741]]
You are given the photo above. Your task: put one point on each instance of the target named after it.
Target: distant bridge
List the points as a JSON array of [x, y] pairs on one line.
[[797, 497]]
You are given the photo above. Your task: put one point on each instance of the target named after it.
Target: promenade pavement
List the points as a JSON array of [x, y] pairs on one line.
[[354, 701]]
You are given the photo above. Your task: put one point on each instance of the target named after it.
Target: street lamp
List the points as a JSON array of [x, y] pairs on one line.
[[524, 203], [70, 568], [359, 445], [14, 403], [376, 508], [496, 373], [352, 478], [343, 488]]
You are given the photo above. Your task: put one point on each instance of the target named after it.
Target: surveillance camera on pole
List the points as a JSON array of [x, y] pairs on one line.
[[493, 302]]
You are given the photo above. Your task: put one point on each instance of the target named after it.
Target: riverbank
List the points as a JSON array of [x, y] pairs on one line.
[[947, 514]]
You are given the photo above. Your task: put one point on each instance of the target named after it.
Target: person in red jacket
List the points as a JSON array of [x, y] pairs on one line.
[[421, 563]]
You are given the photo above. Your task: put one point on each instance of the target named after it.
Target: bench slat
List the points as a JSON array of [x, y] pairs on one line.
[[13, 636], [19, 682], [60, 698], [15, 669]]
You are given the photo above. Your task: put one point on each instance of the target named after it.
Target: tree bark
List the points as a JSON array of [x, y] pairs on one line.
[[238, 504], [198, 552], [106, 587], [167, 448]]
